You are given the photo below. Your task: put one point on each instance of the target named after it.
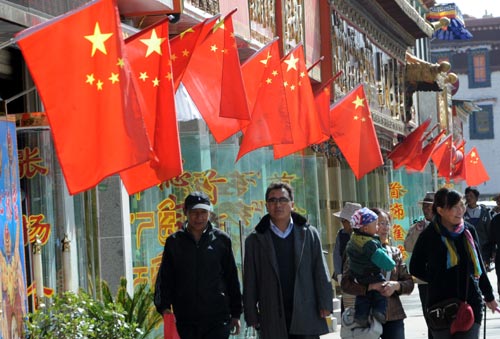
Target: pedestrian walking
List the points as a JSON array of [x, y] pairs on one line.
[[343, 236], [413, 233], [287, 290], [479, 216], [198, 278], [447, 256], [398, 282]]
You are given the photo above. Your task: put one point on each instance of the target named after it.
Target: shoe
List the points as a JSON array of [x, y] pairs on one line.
[[379, 316]]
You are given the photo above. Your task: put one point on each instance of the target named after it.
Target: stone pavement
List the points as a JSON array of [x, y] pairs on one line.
[[415, 326]]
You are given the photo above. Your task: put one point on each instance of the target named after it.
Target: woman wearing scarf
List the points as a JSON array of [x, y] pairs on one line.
[[399, 282], [446, 257]]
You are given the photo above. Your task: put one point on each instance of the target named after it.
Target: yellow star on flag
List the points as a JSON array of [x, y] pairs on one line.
[[90, 79], [98, 39], [113, 78], [153, 43], [264, 61], [291, 62], [358, 102]]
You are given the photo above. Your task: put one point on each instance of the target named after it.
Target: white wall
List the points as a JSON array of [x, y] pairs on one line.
[[488, 149]]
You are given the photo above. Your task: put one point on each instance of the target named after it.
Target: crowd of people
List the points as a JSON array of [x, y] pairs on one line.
[[287, 287]]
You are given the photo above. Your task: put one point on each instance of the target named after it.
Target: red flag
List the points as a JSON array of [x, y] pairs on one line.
[[442, 157], [169, 327], [267, 101], [304, 119], [474, 169], [419, 162], [409, 147], [353, 131], [322, 98], [213, 80], [92, 102], [183, 45], [147, 52], [458, 163]]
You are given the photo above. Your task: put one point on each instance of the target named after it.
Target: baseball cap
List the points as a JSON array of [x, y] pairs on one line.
[[197, 199]]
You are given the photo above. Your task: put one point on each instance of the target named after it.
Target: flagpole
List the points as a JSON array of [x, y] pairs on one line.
[[315, 64], [7, 43], [430, 132]]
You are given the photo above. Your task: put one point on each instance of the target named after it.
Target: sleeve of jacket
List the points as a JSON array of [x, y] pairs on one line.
[[164, 285], [348, 284], [250, 288], [419, 257], [379, 256], [401, 273], [322, 280], [337, 258], [484, 282], [411, 238], [232, 281]]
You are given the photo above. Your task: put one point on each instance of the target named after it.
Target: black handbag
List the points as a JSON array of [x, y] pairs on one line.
[[441, 315]]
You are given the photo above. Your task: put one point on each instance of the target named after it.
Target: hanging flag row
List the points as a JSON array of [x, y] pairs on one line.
[[110, 102], [448, 157]]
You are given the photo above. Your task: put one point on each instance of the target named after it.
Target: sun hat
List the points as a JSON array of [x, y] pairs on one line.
[[363, 217], [428, 199], [348, 210]]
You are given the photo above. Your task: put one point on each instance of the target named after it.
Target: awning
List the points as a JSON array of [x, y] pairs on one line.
[[456, 30]]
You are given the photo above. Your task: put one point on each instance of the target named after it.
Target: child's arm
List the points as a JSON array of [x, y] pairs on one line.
[[382, 260]]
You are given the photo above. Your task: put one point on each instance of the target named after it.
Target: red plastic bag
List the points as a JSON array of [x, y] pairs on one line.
[[169, 328]]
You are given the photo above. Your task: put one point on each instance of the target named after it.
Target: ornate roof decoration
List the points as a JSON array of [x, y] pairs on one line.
[[376, 20]]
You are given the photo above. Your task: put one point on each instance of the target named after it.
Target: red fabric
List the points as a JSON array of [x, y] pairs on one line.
[[91, 100], [410, 147], [304, 120], [322, 98], [148, 52], [169, 328], [213, 80], [418, 162], [353, 131], [442, 157], [475, 172], [458, 163], [183, 45], [267, 101]]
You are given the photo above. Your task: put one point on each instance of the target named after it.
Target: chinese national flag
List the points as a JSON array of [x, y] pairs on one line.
[[442, 156], [458, 163], [267, 101], [475, 172], [410, 147], [148, 52], [353, 131], [183, 45], [214, 81], [92, 102], [304, 120], [322, 99], [418, 162]]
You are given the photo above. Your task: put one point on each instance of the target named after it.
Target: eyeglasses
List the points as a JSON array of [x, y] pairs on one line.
[[282, 200], [384, 223]]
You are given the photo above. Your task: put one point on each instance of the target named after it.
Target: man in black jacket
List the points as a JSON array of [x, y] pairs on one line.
[[198, 277]]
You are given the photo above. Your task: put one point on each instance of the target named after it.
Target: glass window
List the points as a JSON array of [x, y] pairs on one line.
[[479, 69], [481, 123]]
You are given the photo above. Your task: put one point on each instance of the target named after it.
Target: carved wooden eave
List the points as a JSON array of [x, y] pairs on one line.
[[377, 19]]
